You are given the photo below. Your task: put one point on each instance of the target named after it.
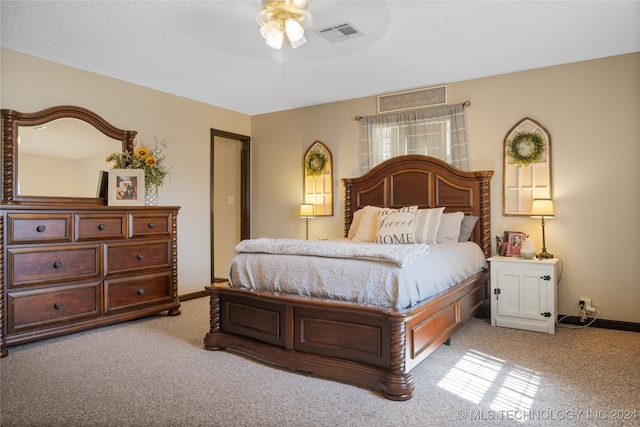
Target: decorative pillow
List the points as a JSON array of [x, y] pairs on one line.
[[466, 229], [366, 231], [396, 226], [355, 223], [427, 224], [449, 230]]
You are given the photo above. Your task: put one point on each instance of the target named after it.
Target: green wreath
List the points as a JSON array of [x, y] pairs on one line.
[[315, 163], [521, 140]]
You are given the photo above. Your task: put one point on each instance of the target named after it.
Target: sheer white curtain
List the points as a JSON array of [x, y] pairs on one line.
[[438, 132]]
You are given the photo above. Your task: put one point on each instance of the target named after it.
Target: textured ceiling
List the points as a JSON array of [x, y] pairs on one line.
[[212, 51]]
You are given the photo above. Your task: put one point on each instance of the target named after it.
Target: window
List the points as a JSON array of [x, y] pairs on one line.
[[438, 132]]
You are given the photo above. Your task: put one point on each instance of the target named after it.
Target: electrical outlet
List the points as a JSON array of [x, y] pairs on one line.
[[585, 305]]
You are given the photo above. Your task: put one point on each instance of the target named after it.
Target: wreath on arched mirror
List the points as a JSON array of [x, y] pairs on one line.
[[525, 148], [315, 163]]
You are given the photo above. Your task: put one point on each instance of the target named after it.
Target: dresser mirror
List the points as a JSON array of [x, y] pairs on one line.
[[55, 156]]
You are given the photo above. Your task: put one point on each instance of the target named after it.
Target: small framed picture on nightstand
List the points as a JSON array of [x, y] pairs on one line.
[[515, 239]]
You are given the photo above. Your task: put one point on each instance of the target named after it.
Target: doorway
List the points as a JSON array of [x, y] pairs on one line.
[[229, 198]]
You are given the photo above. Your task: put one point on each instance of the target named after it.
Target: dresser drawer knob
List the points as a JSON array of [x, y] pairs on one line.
[[57, 264], [57, 305], [140, 256], [102, 227], [152, 225], [140, 291], [41, 229]]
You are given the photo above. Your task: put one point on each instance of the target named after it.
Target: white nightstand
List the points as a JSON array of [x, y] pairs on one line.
[[524, 293]]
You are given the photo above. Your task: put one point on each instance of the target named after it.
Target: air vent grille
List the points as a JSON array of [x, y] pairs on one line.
[[340, 33]]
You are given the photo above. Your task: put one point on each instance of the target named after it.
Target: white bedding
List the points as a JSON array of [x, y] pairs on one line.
[[397, 253], [384, 284]]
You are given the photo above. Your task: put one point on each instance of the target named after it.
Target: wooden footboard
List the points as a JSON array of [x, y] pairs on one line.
[[368, 345]]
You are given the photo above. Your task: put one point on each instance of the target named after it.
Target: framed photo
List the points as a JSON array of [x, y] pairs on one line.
[[103, 184], [515, 239], [126, 187]]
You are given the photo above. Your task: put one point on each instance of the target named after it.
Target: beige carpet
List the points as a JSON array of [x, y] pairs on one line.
[[155, 372]]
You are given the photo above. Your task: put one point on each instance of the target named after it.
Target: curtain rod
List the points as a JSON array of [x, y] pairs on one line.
[[464, 105]]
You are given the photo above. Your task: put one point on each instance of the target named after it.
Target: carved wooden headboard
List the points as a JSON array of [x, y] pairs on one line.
[[428, 183]]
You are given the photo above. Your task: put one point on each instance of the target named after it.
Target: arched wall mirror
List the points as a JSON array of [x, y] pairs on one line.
[[55, 156], [318, 179], [527, 167]]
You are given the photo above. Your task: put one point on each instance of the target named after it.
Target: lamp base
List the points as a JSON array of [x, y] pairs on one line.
[[545, 255]]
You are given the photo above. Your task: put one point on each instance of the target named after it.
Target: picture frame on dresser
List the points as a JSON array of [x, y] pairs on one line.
[[126, 187]]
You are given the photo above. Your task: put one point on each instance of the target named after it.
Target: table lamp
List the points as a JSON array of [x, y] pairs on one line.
[[543, 208], [307, 211]]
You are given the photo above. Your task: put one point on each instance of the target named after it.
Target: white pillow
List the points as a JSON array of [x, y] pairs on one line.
[[449, 230], [396, 226], [366, 231], [355, 223], [427, 224]]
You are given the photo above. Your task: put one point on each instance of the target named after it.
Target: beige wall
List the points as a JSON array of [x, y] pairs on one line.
[[30, 84], [591, 109]]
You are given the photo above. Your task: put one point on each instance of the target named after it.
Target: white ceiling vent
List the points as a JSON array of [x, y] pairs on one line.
[[339, 33]]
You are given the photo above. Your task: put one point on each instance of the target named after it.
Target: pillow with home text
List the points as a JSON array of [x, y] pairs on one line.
[[396, 226]]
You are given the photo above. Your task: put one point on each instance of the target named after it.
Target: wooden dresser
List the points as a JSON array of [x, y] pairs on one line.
[[70, 269]]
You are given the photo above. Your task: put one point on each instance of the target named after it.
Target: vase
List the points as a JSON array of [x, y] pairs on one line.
[[527, 250], [151, 195]]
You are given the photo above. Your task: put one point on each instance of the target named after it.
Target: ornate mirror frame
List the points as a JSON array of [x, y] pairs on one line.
[[523, 183], [12, 119], [318, 184]]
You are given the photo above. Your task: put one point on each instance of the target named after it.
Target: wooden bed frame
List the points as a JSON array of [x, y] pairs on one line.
[[373, 346]]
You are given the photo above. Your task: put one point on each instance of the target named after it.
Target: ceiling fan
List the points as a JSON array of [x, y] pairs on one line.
[[282, 19]]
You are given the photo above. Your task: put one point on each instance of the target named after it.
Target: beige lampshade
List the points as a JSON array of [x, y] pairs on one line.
[[542, 208], [306, 210]]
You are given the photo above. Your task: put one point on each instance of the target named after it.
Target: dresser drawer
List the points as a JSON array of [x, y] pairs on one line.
[[150, 224], [29, 266], [36, 309], [100, 226], [123, 257], [132, 292], [38, 228]]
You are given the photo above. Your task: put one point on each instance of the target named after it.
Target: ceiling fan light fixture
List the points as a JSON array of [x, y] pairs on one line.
[[298, 43], [284, 18], [270, 29], [275, 40], [294, 30]]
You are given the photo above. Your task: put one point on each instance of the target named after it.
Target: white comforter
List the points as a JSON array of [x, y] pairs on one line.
[[365, 281], [398, 254]]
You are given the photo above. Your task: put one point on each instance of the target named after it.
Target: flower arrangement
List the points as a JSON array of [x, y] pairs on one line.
[[151, 160]]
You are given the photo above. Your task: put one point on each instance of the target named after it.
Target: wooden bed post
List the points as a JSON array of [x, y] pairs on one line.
[[485, 213], [214, 316], [398, 383]]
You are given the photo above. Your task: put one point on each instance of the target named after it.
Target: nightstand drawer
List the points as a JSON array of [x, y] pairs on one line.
[[123, 257], [31, 266], [132, 292], [99, 227], [36, 309], [150, 225], [38, 228]]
